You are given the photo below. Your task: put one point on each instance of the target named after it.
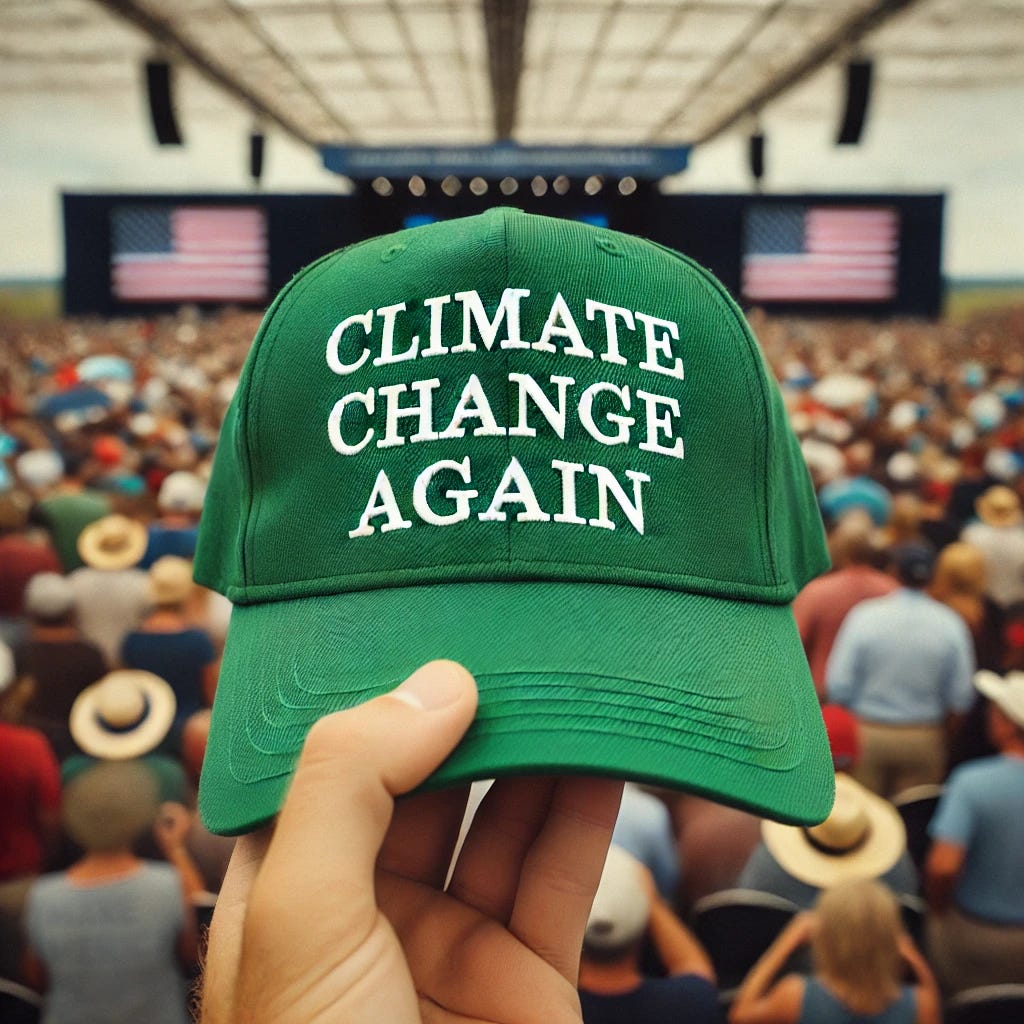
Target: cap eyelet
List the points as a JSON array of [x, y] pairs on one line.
[[609, 246], [393, 252]]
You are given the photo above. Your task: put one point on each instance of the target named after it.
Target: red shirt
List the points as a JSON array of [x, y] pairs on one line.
[[30, 784], [20, 560]]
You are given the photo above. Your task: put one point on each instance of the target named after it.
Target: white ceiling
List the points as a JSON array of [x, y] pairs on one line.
[[471, 71]]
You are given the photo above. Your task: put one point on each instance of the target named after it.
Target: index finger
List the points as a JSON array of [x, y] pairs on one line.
[[224, 945]]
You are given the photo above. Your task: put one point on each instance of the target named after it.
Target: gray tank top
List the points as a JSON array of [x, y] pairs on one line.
[[109, 949]]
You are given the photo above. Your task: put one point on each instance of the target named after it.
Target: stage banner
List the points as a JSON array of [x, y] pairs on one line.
[[505, 159]]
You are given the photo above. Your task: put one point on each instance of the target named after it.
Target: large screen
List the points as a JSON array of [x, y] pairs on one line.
[[188, 253], [804, 252]]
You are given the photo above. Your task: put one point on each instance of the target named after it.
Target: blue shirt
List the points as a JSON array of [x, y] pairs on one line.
[[684, 997], [644, 829], [982, 810], [820, 1006], [902, 659], [169, 540], [177, 657]]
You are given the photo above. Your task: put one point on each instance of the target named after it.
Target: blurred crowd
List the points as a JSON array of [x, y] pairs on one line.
[[914, 437]]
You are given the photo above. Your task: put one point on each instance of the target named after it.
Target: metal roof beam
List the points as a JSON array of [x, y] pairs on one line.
[[163, 33], [848, 34], [505, 25]]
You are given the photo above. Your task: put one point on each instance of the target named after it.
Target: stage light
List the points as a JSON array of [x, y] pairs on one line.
[[593, 185], [508, 186], [451, 186], [382, 186], [417, 186], [478, 186], [627, 186], [538, 186]]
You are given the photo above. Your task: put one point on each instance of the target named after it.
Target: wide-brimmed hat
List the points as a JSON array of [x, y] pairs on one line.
[[863, 837], [170, 580], [1007, 692], [621, 904], [548, 451], [113, 542], [999, 506], [126, 714]]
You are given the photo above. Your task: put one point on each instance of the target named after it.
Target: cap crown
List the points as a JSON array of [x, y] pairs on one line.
[[507, 397]]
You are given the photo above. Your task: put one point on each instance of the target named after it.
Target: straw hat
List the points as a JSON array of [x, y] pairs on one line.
[[170, 580], [621, 905], [999, 506], [863, 837], [126, 714], [113, 542]]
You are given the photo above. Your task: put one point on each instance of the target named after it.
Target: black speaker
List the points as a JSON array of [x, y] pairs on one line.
[[858, 93], [755, 155], [256, 157], [161, 103]]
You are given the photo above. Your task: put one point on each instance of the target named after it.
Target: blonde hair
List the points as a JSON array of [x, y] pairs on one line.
[[856, 944], [959, 581]]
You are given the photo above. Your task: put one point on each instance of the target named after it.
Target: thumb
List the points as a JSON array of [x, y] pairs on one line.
[[352, 766]]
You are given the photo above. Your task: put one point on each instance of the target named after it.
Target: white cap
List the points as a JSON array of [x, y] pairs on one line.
[[181, 491], [1007, 692], [49, 595], [621, 905], [40, 467]]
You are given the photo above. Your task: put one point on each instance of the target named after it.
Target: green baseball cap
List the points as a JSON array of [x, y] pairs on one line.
[[550, 452]]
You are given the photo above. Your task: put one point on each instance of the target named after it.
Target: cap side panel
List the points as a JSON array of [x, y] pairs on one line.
[[257, 382]]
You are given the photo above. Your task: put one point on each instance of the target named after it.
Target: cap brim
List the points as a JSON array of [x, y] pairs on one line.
[[692, 692]]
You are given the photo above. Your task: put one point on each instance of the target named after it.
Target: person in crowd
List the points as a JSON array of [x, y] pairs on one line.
[[24, 552], [64, 506], [863, 837], [173, 532], [210, 853], [29, 814], [903, 665], [110, 593], [56, 658], [974, 874], [613, 990], [109, 939], [127, 714], [644, 829], [167, 644], [822, 605], [998, 533], [860, 954], [959, 583]]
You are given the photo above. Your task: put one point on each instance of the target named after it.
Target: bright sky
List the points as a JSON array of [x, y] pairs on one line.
[[968, 144]]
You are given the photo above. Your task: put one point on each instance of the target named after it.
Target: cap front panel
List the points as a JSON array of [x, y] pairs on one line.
[[506, 398]]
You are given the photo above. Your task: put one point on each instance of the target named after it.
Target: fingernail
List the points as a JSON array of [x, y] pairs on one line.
[[432, 687]]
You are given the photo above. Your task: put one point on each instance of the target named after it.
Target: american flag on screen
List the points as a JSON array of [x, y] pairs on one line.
[[189, 253], [798, 253]]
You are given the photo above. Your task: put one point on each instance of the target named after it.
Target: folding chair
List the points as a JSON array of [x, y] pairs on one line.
[[18, 1004], [916, 806], [988, 1004], [736, 926]]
